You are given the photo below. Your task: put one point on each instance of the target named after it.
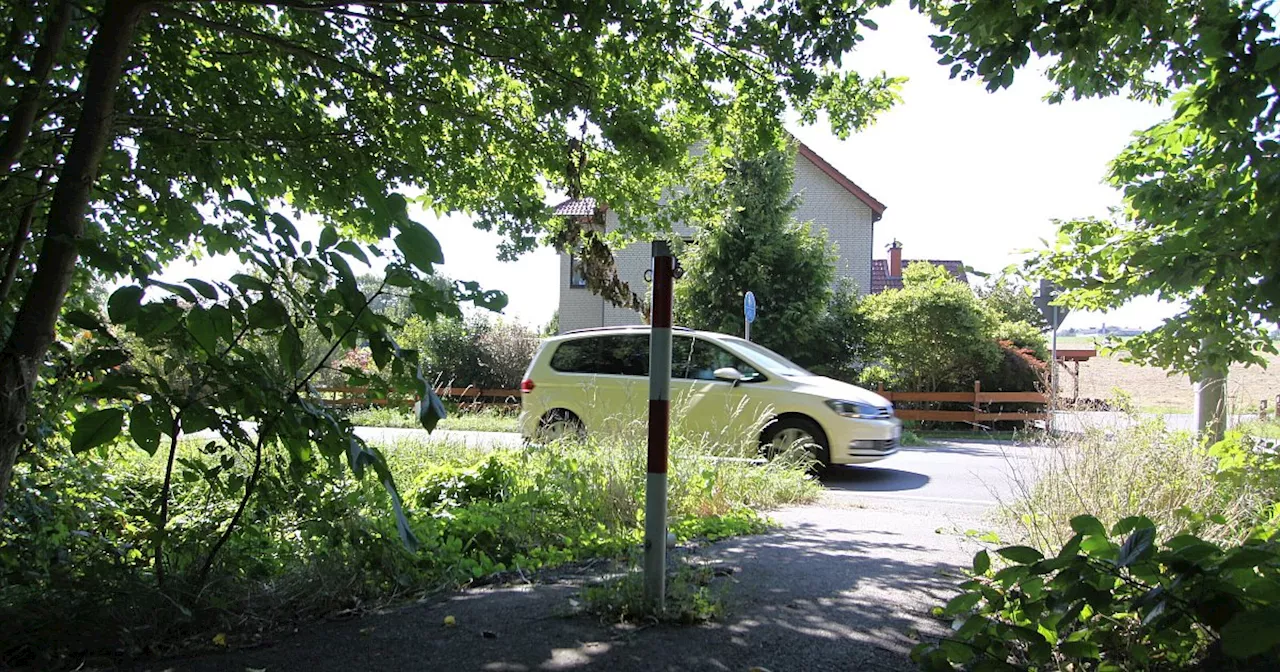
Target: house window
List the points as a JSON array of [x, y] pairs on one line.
[[577, 275]]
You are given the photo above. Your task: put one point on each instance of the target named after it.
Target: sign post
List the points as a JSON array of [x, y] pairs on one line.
[[655, 489], [749, 311], [1054, 315]]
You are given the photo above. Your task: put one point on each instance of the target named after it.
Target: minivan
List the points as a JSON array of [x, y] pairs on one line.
[[594, 380]]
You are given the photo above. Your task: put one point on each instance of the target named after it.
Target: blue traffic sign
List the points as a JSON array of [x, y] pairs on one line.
[[749, 307]]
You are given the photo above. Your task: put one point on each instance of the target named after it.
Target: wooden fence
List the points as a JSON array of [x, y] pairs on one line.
[[977, 401], [469, 396]]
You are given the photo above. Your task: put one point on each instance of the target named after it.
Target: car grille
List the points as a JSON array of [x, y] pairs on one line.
[[885, 412], [873, 446]]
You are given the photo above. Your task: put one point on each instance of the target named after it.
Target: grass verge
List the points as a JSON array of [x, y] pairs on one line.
[[1143, 470], [486, 420], [77, 572]]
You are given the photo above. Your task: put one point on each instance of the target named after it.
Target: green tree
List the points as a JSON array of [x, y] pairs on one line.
[[137, 131], [1200, 197], [933, 334], [1012, 301], [758, 246]]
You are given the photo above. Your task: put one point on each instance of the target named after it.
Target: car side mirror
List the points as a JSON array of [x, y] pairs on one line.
[[729, 374]]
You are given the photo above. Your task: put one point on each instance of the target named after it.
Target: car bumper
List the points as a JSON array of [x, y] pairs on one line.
[[862, 441]]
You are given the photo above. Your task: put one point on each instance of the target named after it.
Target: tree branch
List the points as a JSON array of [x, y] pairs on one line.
[[23, 116], [250, 486], [14, 253]]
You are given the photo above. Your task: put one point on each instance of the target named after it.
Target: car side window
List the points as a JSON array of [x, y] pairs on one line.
[[615, 355], [706, 357]]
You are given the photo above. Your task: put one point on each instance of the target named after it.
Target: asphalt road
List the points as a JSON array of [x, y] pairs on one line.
[[846, 583]]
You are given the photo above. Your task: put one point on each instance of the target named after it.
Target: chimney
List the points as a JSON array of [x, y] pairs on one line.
[[895, 259]]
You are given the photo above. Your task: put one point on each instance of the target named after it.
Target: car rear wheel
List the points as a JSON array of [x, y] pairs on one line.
[[785, 433], [559, 425]]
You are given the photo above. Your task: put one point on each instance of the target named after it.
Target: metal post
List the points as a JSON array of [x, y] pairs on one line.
[[1053, 373], [748, 323], [655, 500]]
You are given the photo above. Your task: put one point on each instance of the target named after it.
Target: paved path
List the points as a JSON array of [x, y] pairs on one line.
[[391, 436], [1078, 421], [845, 584]]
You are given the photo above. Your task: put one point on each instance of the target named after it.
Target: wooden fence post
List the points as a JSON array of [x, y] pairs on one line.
[[977, 408], [1262, 409]]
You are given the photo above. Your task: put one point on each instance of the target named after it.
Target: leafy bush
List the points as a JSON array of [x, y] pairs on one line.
[[1117, 600], [933, 334], [473, 351]]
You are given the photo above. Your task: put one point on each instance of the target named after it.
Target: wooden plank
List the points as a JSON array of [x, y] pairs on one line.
[[936, 416], [1011, 417], [1012, 397], [955, 397]]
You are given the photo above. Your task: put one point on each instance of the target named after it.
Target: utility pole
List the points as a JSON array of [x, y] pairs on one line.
[[655, 491]]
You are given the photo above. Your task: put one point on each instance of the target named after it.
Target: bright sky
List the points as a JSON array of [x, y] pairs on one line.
[[966, 174]]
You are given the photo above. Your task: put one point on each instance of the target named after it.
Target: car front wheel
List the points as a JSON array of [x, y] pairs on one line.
[[785, 433]]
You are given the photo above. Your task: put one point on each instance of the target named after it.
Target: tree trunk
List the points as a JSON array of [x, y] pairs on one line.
[[33, 324]]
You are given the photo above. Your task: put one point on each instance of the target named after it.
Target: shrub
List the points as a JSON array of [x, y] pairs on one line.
[[1117, 599], [933, 334], [473, 351]]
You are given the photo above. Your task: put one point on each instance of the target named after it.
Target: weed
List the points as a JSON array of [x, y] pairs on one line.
[[693, 595], [1144, 469]]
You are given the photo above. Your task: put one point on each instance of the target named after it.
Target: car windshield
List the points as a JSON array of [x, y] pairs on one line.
[[772, 361]]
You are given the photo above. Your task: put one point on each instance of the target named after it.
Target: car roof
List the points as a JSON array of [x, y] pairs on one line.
[[633, 329]]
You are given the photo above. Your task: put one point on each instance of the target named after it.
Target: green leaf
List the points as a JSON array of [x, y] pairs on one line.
[[291, 350], [1088, 525], [328, 237], [124, 304], [1023, 555], [249, 283], [962, 603], [1080, 649], [1131, 523], [143, 428], [1250, 633], [206, 290], [179, 290], [83, 320], [419, 246], [1137, 546], [267, 313], [96, 428], [1248, 557], [354, 251], [981, 563], [202, 328], [104, 358]]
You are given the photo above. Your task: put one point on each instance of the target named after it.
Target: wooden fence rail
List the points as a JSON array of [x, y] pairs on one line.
[[977, 400], [361, 396]]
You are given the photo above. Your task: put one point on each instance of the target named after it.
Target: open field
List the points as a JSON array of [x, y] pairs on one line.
[[1154, 390]]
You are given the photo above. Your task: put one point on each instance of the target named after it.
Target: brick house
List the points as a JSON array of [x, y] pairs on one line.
[[829, 201], [882, 277]]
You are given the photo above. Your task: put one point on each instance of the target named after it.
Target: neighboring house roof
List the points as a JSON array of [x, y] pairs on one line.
[[576, 207], [583, 207], [880, 279], [877, 208]]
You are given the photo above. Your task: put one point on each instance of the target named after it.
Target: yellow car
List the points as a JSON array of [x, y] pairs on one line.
[[596, 380]]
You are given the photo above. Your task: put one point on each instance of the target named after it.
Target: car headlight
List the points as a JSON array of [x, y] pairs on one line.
[[854, 409]]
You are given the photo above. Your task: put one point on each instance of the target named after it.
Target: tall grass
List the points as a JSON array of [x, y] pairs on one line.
[[76, 574], [1144, 470]]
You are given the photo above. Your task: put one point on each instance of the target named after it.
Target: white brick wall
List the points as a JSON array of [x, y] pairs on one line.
[[848, 221]]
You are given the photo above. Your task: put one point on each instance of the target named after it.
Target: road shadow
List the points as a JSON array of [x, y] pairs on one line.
[[871, 479], [825, 595]]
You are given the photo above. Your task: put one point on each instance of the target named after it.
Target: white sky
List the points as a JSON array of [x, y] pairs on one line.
[[966, 174]]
